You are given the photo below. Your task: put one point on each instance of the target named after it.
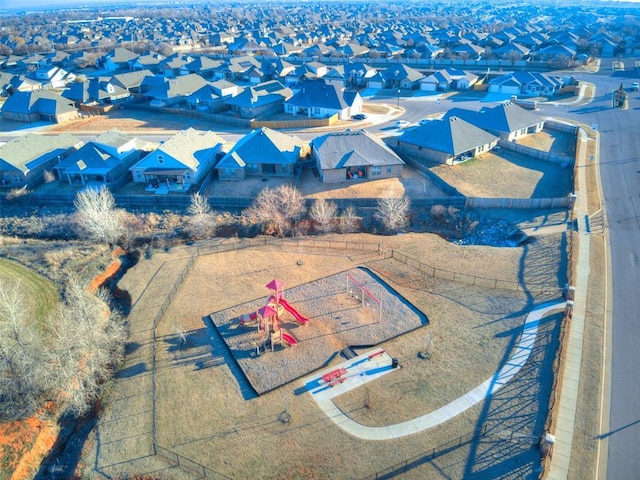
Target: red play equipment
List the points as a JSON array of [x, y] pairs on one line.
[[335, 376], [267, 318], [299, 318]]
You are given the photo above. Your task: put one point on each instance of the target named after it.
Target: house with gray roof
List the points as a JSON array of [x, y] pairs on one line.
[[320, 99], [96, 91], [526, 83], [38, 105], [354, 156], [174, 90], [265, 98], [448, 79], [105, 160], [401, 76], [24, 159], [131, 81], [506, 120], [180, 162], [264, 152], [118, 59], [450, 140]]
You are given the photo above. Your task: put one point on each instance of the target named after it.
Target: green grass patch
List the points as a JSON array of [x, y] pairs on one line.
[[41, 294]]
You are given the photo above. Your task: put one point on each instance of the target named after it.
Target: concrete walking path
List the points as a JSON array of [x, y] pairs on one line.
[[441, 415], [568, 398]]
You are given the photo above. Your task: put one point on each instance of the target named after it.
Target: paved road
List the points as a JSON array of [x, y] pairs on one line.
[[619, 168]]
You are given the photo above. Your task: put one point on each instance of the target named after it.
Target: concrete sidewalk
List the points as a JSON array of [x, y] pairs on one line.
[[323, 394], [568, 397]]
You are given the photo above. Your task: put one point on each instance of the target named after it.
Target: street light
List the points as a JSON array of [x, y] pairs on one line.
[[398, 103]]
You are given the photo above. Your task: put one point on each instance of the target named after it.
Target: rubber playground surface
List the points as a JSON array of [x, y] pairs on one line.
[[318, 320]]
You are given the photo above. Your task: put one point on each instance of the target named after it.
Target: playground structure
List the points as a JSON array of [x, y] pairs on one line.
[[367, 299], [268, 318]]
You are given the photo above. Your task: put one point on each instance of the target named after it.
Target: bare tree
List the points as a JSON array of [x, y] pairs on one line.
[[21, 375], [67, 357], [97, 217], [349, 220], [324, 214], [276, 209], [87, 343], [202, 220], [393, 211]]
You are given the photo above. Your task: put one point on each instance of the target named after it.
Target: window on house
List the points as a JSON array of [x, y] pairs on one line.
[[376, 170], [388, 168], [160, 159]]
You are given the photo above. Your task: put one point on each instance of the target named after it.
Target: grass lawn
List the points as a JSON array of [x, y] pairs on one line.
[[41, 295]]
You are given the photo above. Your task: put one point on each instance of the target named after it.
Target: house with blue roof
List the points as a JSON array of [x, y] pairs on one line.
[[320, 99], [264, 152]]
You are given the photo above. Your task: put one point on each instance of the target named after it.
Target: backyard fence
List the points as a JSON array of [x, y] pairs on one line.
[[475, 280], [177, 460]]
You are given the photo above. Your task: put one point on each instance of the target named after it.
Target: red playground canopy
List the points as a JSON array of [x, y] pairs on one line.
[[275, 285], [266, 311]]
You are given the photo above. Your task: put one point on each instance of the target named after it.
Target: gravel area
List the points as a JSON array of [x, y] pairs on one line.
[[337, 320]]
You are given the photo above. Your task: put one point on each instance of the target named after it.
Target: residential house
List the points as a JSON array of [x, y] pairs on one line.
[[526, 83], [173, 91], [180, 162], [118, 59], [266, 98], [466, 51], [511, 52], [96, 91], [401, 76], [264, 152], [450, 140], [358, 74], [131, 81], [320, 99], [53, 77], [354, 155], [11, 83], [38, 105], [506, 120], [150, 61], [24, 160], [448, 79], [237, 68]]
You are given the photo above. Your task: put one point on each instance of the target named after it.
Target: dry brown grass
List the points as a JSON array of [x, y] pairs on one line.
[[506, 175], [202, 414]]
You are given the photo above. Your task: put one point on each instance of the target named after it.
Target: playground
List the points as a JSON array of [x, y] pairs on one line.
[[292, 332]]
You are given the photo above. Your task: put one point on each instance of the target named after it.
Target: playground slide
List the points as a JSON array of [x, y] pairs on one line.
[[294, 312], [289, 340]]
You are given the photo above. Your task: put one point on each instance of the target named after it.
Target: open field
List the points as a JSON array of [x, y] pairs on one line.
[[203, 412]]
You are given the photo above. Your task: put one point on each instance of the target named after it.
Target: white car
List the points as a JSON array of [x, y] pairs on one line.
[[402, 124]]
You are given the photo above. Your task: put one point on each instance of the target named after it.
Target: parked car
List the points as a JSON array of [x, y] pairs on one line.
[[635, 86], [359, 116], [402, 124], [424, 121]]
